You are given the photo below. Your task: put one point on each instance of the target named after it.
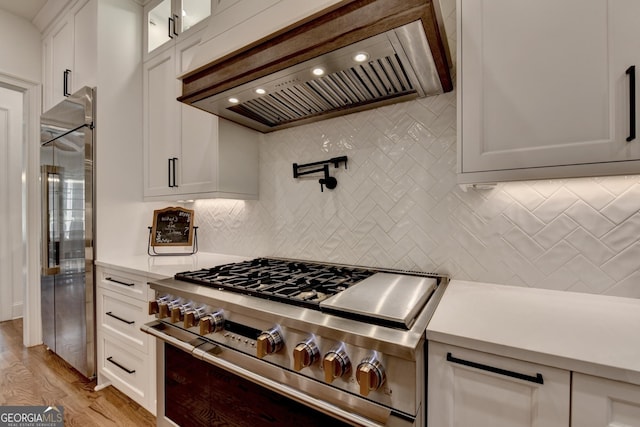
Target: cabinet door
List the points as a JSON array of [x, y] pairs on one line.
[[85, 43], [168, 21], [599, 402], [468, 388], [161, 123], [58, 78], [198, 162], [542, 85], [158, 26]]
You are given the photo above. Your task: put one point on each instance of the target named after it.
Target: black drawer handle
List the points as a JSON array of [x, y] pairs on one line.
[[65, 82], [631, 72], [537, 379], [128, 322], [119, 282], [127, 370]]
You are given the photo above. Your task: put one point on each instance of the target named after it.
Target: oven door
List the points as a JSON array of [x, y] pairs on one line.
[[199, 386]]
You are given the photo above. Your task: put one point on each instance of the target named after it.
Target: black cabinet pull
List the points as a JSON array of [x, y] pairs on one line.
[[631, 72], [169, 27], [128, 322], [127, 370], [537, 379], [169, 173], [65, 82], [119, 282], [173, 173], [175, 21]]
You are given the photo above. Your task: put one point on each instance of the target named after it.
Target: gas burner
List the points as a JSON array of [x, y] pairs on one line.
[[293, 282]]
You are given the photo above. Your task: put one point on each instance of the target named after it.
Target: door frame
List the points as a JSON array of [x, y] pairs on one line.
[[32, 106]]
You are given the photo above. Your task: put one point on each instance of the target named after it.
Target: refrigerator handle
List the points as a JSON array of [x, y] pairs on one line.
[[50, 178]]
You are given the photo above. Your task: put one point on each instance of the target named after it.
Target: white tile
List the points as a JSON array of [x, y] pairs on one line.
[[590, 192], [524, 219], [624, 264], [624, 235], [590, 219], [557, 203], [555, 231], [590, 274], [589, 246], [625, 205], [523, 243], [556, 257], [628, 287], [524, 193]]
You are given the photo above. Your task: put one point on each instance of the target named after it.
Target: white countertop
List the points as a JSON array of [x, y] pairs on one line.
[[162, 267], [594, 334]]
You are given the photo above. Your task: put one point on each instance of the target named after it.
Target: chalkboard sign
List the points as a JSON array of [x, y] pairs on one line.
[[172, 227]]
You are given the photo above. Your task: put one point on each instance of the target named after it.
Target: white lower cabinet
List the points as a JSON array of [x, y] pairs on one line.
[[468, 388], [126, 356], [600, 402]]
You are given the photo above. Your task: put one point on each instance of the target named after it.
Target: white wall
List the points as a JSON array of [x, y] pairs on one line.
[[122, 216], [23, 59]]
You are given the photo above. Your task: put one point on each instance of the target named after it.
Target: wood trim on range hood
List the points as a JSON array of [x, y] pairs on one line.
[[341, 25]]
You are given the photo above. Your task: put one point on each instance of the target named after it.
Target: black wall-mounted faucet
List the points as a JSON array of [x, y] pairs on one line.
[[327, 181]]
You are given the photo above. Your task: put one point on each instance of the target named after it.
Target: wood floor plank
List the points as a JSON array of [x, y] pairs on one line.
[[37, 376]]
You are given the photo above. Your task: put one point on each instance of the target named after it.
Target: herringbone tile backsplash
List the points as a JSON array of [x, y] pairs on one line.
[[398, 205]]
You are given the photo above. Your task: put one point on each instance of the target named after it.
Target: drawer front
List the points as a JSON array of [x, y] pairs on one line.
[[122, 317], [129, 371], [123, 283]]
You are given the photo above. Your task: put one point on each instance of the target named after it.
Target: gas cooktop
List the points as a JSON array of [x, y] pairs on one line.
[[385, 297], [291, 281]]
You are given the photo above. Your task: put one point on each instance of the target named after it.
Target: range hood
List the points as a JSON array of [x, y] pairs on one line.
[[271, 84]]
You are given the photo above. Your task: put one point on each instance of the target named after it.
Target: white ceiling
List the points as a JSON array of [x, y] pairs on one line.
[[27, 9]]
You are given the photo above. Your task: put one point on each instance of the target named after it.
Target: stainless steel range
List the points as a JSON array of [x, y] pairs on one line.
[[348, 343]]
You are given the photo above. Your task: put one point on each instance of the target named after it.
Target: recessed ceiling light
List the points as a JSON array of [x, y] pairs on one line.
[[361, 57], [318, 71], [260, 91], [233, 100]]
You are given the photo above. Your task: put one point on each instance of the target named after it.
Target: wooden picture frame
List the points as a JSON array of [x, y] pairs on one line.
[[172, 226]]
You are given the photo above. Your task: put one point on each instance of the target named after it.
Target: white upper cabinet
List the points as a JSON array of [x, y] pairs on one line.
[[168, 20], [543, 88], [189, 153], [69, 53]]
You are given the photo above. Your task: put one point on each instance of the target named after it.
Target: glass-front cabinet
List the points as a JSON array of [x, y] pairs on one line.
[[167, 20]]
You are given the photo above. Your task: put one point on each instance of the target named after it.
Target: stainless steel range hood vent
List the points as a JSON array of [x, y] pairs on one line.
[[399, 65], [376, 81]]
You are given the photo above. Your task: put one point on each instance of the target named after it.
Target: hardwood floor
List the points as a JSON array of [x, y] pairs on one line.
[[36, 376]]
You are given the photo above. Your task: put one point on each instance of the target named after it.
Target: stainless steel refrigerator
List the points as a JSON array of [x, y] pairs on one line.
[[67, 180]]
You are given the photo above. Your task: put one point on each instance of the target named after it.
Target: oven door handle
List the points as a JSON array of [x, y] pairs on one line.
[[151, 329], [208, 355]]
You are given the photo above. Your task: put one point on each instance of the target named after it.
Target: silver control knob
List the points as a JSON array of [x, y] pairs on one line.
[[193, 316], [154, 306], [336, 363], [178, 312], [212, 322], [370, 375], [269, 342], [165, 307], [305, 354]]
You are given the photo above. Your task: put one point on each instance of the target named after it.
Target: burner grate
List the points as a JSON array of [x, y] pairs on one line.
[[293, 282]]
